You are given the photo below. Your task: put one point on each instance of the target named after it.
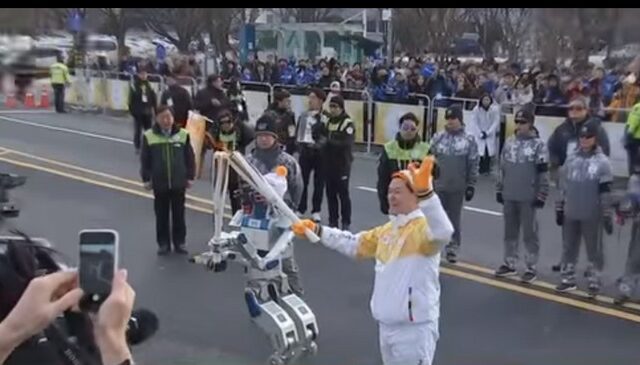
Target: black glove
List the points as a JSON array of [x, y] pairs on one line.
[[499, 198], [538, 203], [468, 194], [484, 135], [559, 217], [607, 223]]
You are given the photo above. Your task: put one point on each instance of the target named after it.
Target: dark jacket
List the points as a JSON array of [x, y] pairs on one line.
[[168, 162], [340, 139], [285, 127], [236, 140], [396, 156], [568, 132], [179, 99], [142, 98], [325, 81], [203, 102]]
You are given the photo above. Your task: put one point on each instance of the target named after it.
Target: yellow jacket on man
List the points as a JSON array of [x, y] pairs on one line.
[[59, 73]]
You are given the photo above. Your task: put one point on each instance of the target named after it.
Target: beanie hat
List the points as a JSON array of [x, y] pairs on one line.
[[337, 100]]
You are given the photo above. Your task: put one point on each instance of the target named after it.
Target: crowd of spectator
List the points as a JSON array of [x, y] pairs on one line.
[[610, 91]]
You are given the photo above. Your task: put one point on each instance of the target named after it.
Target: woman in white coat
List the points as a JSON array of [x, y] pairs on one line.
[[484, 126]]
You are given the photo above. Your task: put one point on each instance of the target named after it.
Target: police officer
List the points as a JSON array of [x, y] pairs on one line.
[[311, 136], [407, 147], [59, 80], [338, 150], [233, 135], [179, 99], [142, 102], [584, 208], [630, 208], [522, 188], [456, 152], [268, 155], [168, 167], [285, 120]]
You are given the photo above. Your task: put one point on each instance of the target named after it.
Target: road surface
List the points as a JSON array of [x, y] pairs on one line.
[[83, 174]]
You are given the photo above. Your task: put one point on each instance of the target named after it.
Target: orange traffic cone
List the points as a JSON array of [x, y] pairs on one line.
[[44, 98], [10, 101], [29, 101]]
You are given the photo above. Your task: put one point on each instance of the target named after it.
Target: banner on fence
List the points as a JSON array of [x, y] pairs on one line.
[[387, 118]]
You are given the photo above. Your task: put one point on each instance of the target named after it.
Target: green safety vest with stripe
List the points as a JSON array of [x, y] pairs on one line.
[[230, 140], [168, 166], [405, 156]]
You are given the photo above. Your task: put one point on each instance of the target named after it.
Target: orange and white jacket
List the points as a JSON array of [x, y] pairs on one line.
[[407, 254]]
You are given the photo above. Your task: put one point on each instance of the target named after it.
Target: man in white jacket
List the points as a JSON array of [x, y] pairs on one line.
[[484, 126], [406, 294]]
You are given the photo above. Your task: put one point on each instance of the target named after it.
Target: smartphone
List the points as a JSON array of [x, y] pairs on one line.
[[98, 264]]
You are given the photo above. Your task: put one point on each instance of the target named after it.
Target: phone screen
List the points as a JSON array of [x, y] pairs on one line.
[[98, 261]]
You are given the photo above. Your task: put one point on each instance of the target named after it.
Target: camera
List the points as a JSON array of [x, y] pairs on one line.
[[8, 182]]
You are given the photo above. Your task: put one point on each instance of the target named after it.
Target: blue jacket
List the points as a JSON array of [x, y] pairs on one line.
[[287, 76]]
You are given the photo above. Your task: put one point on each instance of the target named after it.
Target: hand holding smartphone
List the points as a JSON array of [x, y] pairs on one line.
[[99, 253]]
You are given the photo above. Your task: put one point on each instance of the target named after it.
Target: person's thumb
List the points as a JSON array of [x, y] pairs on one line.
[[119, 281], [70, 299]]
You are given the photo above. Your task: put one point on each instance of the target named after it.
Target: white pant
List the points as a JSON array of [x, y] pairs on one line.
[[408, 344]]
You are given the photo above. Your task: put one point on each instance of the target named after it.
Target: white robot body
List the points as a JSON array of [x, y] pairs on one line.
[[284, 317]]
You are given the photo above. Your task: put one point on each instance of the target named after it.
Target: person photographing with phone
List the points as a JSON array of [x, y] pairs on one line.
[[47, 297], [168, 168], [406, 294]]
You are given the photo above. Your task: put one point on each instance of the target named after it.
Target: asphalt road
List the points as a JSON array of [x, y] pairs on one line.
[[203, 317]]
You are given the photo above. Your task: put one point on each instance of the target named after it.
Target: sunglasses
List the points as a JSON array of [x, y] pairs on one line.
[[521, 122], [587, 136], [408, 127], [577, 108]]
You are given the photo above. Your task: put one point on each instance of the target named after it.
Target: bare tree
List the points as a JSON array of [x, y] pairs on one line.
[[516, 24], [307, 15], [179, 25], [117, 22], [487, 23], [417, 28], [218, 24]]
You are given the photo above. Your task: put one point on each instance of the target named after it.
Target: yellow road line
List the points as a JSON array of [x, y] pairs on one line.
[[93, 172], [545, 285], [543, 295], [448, 271], [98, 183]]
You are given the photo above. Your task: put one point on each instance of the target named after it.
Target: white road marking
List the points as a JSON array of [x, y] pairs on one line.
[[65, 130], [471, 209]]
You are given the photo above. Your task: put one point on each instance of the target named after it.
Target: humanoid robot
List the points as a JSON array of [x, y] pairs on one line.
[[261, 234]]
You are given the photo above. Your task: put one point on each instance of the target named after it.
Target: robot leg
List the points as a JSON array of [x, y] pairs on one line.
[[276, 324], [305, 321]]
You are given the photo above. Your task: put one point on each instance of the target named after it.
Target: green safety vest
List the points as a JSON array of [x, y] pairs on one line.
[[633, 122], [166, 144], [229, 140], [405, 156], [59, 73]]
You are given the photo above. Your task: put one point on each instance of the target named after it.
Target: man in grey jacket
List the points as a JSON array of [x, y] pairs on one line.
[[584, 208], [268, 155], [522, 188], [457, 157]]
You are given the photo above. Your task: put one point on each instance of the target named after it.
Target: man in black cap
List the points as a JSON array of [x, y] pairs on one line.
[[268, 155], [522, 187], [457, 154], [338, 150], [285, 127], [564, 139], [584, 208], [179, 99]]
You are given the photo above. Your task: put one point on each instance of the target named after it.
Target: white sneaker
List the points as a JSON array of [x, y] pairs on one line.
[[316, 217]]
